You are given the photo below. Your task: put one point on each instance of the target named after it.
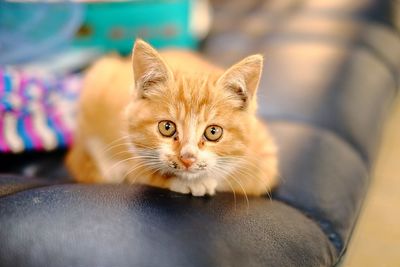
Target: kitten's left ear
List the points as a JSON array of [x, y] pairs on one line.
[[242, 79]]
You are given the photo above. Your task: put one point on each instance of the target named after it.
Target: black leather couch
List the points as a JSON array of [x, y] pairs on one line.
[[330, 76]]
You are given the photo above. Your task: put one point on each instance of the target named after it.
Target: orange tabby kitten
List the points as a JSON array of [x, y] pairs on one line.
[[184, 124]]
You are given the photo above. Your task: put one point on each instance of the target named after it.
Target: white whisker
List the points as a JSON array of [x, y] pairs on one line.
[[110, 145], [247, 171], [229, 184], [230, 175]]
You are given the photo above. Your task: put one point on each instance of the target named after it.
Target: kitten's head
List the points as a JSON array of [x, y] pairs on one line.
[[191, 122]]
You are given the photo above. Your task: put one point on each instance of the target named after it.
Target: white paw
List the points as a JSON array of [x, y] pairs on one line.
[[197, 188], [178, 186], [203, 187]]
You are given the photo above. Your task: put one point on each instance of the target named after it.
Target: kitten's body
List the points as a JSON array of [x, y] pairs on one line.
[[117, 138]]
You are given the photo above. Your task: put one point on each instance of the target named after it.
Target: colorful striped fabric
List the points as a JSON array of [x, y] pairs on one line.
[[37, 111]]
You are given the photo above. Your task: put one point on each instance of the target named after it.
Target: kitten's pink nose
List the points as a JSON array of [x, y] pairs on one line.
[[188, 159]]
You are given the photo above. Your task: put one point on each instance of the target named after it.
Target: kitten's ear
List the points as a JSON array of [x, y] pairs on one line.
[[150, 71], [242, 79]]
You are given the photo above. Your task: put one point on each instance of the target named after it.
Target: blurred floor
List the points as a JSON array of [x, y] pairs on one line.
[[376, 240]]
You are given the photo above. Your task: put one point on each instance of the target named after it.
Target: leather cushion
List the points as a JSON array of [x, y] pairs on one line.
[[10, 184], [335, 89], [322, 175], [105, 225]]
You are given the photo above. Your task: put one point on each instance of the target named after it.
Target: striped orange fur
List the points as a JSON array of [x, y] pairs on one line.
[[124, 102]]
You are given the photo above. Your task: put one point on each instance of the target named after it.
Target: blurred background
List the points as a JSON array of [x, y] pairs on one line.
[[77, 33], [45, 46]]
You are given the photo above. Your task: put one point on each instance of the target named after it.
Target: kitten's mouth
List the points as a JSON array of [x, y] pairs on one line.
[[186, 173], [189, 170]]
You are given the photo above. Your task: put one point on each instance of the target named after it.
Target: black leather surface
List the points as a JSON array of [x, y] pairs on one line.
[[348, 97], [331, 72], [322, 176], [80, 225], [10, 184]]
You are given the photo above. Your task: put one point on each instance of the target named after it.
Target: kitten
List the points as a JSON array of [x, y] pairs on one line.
[[184, 124]]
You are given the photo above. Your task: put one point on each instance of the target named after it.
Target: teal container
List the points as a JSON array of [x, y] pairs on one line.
[[113, 26]]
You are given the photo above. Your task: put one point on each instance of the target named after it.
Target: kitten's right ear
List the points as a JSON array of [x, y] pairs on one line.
[[150, 71]]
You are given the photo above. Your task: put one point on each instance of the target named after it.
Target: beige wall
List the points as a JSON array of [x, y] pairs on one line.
[[376, 240]]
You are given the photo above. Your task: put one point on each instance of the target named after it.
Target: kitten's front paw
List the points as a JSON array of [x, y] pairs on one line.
[[196, 188], [179, 187], [203, 187]]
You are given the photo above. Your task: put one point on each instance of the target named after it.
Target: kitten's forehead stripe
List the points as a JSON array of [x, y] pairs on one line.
[[190, 127], [195, 94]]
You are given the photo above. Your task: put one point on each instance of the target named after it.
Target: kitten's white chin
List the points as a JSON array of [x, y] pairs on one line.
[[191, 175]]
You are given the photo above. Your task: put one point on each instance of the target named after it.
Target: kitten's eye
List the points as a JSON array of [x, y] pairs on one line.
[[213, 133], [167, 128]]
